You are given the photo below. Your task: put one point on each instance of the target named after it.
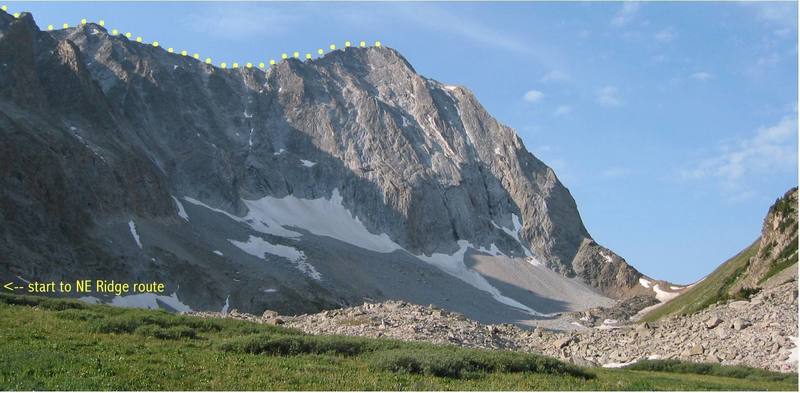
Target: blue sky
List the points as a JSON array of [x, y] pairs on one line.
[[674, 125]]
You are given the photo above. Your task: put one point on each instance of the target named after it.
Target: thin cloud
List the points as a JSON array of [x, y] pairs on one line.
[[235, 23], [436, 18], [608, 96], [664, 36], [616, 172], [626, 14], [555, 76], [533, 96], [562, 110], [769, 150], [702, 76]]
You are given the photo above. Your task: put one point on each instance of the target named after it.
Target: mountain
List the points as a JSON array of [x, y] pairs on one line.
[[311, 185], [770, 261]]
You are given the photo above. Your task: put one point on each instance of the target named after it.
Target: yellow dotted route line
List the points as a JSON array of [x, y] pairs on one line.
[[224, 65]]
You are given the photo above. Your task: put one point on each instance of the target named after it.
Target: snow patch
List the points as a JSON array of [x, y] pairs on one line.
[[279, 152], [23, 280], [307, 163], [227, 305], [322, 217], [674, 288], [607, 257], [181, 211], [619, 365], [454, 265], [218, 252], [643, 282], [515, 233], [664, 296], [270, 290], [259, 247], [256, 219], [450, 87], [89, 299], [135, 234], [150, 301]]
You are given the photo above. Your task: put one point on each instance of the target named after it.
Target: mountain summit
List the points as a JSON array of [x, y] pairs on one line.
[[314, 184]]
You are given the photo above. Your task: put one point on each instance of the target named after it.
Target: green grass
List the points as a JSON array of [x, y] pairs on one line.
[[56, 345], [712, 289]]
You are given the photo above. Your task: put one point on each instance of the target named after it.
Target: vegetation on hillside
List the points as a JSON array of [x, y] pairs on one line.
[[65, 345], [714, 288]]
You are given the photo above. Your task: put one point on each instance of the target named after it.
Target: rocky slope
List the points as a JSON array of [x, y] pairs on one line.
[[312, 185], [771, 260], [761, 332]]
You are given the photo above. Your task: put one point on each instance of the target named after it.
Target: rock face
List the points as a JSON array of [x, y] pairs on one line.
[[311, 185], [776, 258]]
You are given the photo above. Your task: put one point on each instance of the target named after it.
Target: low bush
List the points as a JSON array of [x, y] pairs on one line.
[[170, 333], [469, 363], [42, 302], [677, 366], [291, 345]]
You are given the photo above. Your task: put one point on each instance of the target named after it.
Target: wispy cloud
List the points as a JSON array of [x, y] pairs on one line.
[[239, 22], [769, 150], [533, 96], [555, 76], [562, 110], [702, 76], [608, 96], [626, 14], [437, 18], [616, 172], [666, 35]]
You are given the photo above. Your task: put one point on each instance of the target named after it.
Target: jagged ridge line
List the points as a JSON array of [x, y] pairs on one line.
[[196, 56]]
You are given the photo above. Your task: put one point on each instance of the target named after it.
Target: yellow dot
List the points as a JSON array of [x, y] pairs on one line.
[[261, 65], [208, 60], [101, 23], [155, 44], [347, 44], [65, 25], [114, 31], [308, 55], [249, 65], [284, 56], [223, 65], [138, 39], [235, 65], [184, 53], [333, 47], [362, 44], [49, 27], [16, 14], [320, 51], [128, 35], [378, 43], [83, 21], [196, 55], [272, 62], [170, 50], [5, 8], [296, 54]]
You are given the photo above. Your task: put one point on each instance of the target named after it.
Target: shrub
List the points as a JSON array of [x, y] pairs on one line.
[[291, 345], [171, 333], [46, 303], [741, 372], [451, 362]]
